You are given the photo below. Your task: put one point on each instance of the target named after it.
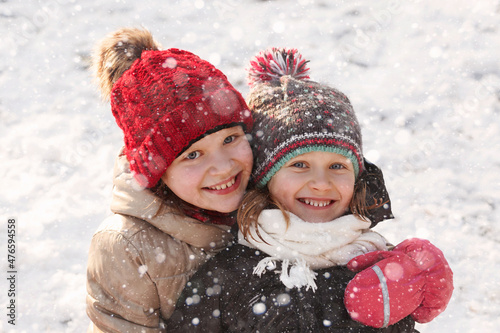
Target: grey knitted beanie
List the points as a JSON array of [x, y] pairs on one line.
[[294, 115]]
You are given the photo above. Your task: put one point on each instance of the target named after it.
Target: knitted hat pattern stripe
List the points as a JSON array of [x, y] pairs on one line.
[[294, 115], [306, 143]]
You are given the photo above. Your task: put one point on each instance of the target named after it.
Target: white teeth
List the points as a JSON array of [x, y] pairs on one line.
[[316, 203], [224, 186]]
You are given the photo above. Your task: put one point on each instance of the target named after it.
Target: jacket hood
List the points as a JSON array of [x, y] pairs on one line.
[[129, 198]]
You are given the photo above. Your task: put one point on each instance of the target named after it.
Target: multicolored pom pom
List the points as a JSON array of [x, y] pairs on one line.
[[273, 63]]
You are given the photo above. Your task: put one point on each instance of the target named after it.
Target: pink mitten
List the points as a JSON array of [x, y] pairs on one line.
[[412, 279]]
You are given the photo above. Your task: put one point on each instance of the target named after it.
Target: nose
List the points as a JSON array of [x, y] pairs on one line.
[[320, 181], [221, 163]]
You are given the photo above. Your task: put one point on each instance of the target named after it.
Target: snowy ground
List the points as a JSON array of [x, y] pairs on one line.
[[423, 76]]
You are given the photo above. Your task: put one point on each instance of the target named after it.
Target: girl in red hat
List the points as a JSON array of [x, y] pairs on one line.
[[177, 181]]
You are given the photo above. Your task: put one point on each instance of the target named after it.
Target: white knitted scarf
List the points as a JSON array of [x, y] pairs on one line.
[[307, 246]]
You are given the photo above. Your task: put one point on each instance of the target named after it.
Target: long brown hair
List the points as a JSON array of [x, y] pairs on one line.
[[256, 200]]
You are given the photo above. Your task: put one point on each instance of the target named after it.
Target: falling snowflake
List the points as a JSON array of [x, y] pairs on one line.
[[142, 270], [259, 308], [283, 299]]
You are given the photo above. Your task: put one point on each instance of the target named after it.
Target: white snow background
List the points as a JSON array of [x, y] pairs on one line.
[[423, 76]]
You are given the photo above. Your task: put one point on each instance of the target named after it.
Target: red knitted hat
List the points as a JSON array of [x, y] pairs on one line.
[[166, 101]]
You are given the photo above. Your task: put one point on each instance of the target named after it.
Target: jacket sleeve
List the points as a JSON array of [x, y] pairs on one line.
[[121, 297]]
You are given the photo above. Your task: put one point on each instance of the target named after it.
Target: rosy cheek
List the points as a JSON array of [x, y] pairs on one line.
[[244, 154], [282, 194], [344, 187], [185, 175], [191, 175]]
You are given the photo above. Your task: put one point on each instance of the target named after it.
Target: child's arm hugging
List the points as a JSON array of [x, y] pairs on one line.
[[412, 279]]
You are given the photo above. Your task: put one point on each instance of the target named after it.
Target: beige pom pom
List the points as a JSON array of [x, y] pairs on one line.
[[117, 52]]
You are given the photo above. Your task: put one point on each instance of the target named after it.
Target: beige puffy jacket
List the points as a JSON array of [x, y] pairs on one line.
[[141, 257]]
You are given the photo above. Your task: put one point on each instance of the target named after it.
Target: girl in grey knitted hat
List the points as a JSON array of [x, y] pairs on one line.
[[305, 226]]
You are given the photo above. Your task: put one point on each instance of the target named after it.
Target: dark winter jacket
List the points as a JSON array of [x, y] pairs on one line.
[[225, 296]]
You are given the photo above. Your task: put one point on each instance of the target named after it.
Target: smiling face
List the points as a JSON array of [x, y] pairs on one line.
[[213, 173], [316, 186]]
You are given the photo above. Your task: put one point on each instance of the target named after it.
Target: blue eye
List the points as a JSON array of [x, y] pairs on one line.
[[299, 165], [193, 155], [337, 166], [229, 139]]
